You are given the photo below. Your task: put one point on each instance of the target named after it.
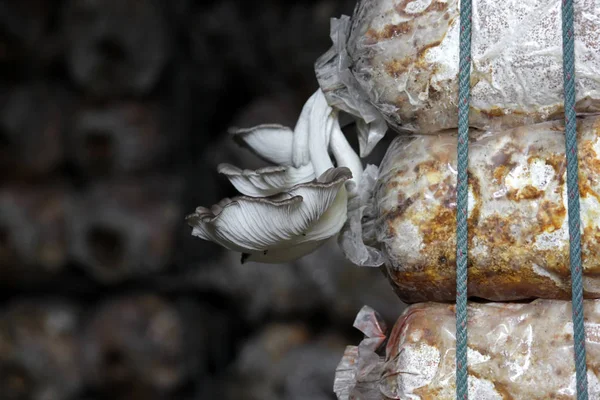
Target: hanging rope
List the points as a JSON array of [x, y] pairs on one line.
[[573, 189], [462, 193], [573, 199]]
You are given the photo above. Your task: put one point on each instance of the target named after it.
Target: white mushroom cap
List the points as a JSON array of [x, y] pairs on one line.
[[272, 143], [266, 181], [278, 228]]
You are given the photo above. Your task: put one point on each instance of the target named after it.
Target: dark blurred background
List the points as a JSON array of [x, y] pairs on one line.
[[113, 117]]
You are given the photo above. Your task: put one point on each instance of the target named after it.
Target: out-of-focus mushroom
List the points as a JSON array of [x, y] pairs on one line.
[[115, 47], [137, 344], [122, 229], [39, 351], [33, 242], [286, 362], [32, 120], [117, 138]]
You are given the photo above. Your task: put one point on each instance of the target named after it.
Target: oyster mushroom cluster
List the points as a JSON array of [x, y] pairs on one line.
[[395, 63], [290, 208]]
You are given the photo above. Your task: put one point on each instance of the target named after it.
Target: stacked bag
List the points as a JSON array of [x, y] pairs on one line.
[[398, 62]]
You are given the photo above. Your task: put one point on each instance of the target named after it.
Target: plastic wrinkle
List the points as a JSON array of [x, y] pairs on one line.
[[512, 353], [344, 92], [517, 214], [370, 323], [358, 372], [355, 236]]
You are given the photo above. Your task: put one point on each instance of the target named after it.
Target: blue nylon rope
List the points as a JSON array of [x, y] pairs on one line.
[[573, 201], [462, 192]]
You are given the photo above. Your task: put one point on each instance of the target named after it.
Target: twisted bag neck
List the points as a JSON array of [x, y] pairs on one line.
[[573, 200]]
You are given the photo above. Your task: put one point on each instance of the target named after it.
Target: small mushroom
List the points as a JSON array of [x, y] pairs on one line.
[[289, 209]]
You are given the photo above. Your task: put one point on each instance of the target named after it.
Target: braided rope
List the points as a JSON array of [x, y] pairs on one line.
[[464, 89], [573, 200]]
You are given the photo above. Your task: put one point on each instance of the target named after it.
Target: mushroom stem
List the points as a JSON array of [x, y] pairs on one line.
[[300, 155], [344, 154], [319, 133]]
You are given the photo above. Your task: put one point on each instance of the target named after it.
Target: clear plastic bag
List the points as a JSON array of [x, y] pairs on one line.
[[516, 351], [402, 58], [518, 224]]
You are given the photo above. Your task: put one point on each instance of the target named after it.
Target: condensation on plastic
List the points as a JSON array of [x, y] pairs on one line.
[[517, 214], [403, 55], [516, 351], [343, 91]]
